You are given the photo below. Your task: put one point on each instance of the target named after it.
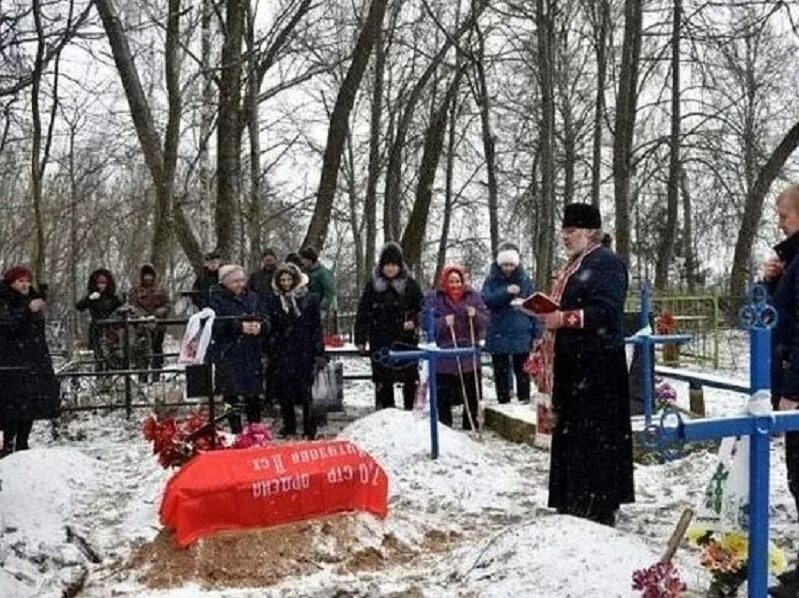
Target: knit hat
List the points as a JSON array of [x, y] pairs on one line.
[[16, 273], [310, 254], [391, 254], [581, 215], [269, 251], [212, 255], [508, 254], [147, 269], [228, 270]]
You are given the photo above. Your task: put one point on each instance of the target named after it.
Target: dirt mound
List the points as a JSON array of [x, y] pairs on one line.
[[345, 544]]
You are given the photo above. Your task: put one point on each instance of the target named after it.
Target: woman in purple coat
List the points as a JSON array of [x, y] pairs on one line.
[[458, 311]]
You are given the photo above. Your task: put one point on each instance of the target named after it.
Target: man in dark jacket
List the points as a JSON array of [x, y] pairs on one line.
[[321, 282], [591, 470], [28, 386], [152, 300], [261, 279], [388, 313], [510, 331], [781, 274], [102, 301], [207, 282]]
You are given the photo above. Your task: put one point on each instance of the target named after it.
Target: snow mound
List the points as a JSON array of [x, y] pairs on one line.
[[552, 556], [466, 478], [41, 491]]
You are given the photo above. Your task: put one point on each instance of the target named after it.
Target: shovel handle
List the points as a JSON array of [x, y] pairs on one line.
[[677, 535]]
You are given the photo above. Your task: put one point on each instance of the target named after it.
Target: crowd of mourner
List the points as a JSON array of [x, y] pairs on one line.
[[270, 325]]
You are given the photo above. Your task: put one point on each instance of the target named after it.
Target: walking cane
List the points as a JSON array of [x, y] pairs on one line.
[[480, 414], [463, 384]]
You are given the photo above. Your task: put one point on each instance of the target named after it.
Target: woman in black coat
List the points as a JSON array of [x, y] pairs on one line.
[[388, 313], [236, 344], [28, 386], [295, 349], [102, 301]]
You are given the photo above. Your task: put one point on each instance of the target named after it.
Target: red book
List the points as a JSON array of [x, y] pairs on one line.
[[539, 303]]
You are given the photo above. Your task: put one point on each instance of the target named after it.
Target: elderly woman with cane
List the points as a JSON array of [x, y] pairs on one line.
[[460, 318]]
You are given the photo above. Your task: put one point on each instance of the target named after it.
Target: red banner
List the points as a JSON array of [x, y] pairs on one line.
[[252, 488]]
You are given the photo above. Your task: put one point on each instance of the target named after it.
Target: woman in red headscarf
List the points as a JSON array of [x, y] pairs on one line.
[[28, 386], [459, 311]]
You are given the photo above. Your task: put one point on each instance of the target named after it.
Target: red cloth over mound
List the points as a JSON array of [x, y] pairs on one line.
[[252, 488]]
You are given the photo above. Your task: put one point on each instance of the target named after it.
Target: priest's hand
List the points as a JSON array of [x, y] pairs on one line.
[[551, 321]]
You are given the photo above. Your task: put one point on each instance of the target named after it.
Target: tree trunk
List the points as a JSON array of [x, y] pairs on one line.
[[356, 222], [666, 250], [545, 35], [413, 237], [206, 114], [489, 147], [37, 170], [339, 122], [373, 174], [626, 107], [394, 169], [163, 192], [449, 199], [599, 108], [228, 165], [253, 128], [688, 233]]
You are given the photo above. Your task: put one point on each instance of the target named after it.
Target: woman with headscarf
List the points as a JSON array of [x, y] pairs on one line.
[[239, 331], [29, 389], [295, 348], [460, 318], [388, 314]]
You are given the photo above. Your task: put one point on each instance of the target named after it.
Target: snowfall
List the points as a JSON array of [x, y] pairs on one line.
[[75, 510]]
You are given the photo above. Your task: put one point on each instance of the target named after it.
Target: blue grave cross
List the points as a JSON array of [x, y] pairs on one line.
[[760, 319], [647, 341], [432, 354]]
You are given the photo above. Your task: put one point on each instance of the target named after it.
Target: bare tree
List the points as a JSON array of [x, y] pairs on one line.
[[337, 131]]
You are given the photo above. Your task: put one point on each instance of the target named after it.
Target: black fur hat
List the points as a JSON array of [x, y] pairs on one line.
[[581, 215]]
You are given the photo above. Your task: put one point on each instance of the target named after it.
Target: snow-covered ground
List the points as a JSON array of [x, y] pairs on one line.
[[472, 523]]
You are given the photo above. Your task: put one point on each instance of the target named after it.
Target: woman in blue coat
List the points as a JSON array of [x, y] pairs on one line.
[[510, 332], [237, 343]]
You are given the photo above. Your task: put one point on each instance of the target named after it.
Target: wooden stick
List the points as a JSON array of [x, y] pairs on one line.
[[677, 535], [463, 383]]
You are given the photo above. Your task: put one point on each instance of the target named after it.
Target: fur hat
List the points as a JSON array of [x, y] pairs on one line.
[[269, 251], [391, 254], [16, 273], [508, 254], [581, 215], [212, 255], [228, 270]]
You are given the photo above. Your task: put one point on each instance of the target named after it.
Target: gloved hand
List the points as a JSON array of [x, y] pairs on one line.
[[94, 296], [362, 350]]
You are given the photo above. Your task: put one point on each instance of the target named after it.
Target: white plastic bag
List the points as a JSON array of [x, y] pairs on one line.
[[724, 505], [197, 338], [323, 390]]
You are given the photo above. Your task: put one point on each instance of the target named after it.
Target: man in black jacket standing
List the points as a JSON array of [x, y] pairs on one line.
[[261, 279], [207, 282], [781, 273]]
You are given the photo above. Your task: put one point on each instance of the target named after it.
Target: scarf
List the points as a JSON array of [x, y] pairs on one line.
[[288, 300], [381, 284], [547, 345]]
